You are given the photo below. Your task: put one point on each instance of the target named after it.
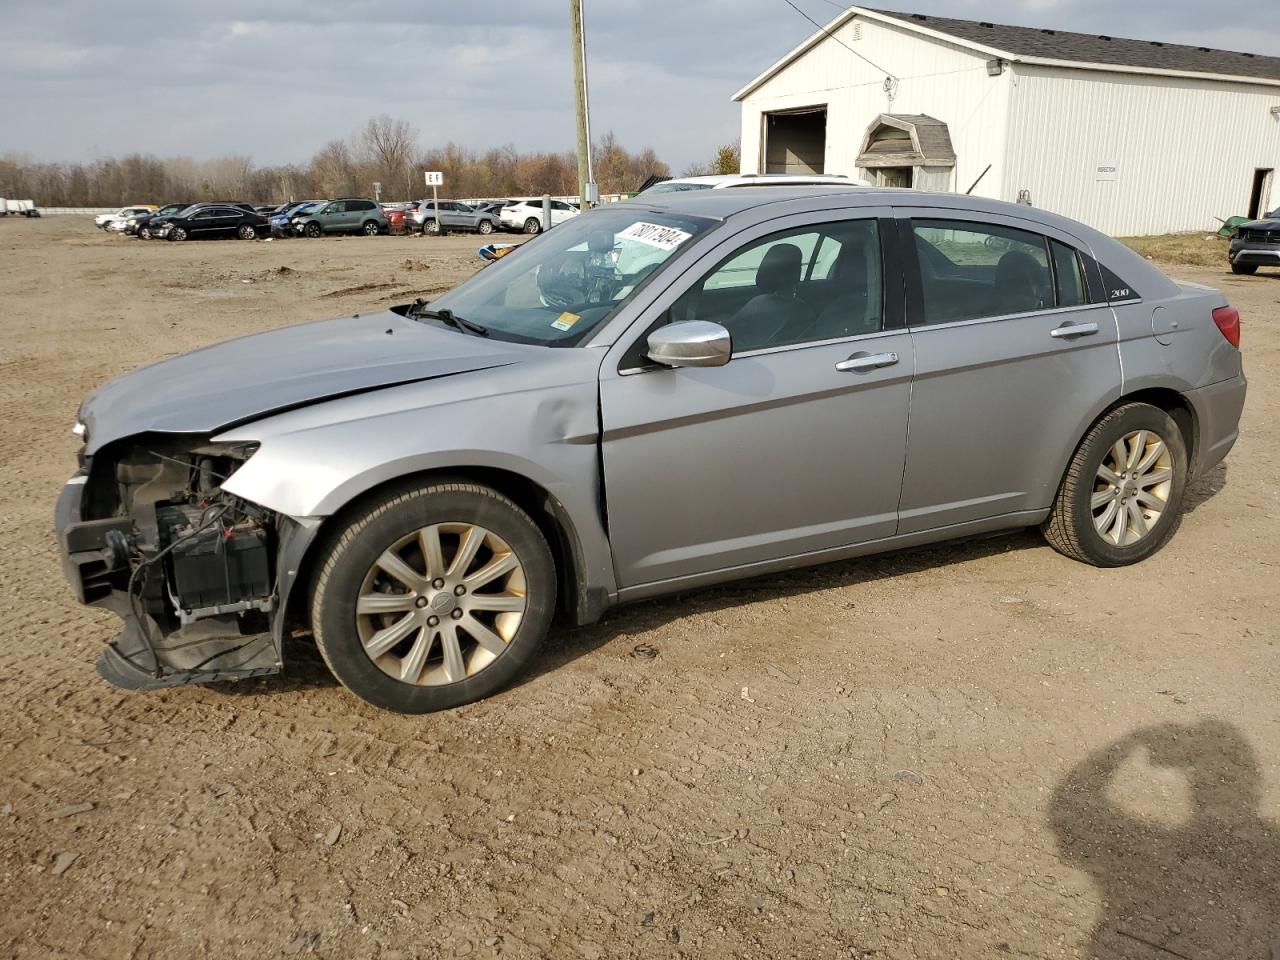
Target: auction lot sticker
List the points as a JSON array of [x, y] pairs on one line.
[[655, 235]]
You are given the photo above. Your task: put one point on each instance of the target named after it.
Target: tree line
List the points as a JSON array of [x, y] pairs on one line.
[[384, 151]]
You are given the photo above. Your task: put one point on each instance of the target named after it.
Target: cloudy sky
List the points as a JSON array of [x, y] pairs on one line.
[[277, 78]]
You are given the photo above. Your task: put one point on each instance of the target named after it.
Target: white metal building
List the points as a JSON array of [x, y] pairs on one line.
[[1129, 136]]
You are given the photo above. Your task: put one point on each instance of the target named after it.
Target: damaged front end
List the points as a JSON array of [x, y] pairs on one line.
[[147, 531]]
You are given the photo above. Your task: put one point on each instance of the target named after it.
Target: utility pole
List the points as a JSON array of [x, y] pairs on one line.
[[587, 192]]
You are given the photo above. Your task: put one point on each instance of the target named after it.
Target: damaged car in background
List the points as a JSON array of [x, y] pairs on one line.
[[655, 396]]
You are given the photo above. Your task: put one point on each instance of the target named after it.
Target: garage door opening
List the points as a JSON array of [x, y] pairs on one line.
[[796, 141]]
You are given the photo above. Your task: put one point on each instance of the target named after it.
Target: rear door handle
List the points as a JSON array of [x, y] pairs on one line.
[[862, 362], [1074, 330]]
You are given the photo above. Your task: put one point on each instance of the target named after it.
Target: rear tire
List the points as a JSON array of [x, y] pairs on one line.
[[370, 228], [486, 227], [1244, 268], [246, 232], [1121, 498], [374, 628], [533, 225], [431, 228]]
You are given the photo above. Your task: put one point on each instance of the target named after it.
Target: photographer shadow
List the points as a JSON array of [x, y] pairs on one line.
[[1205, 887]]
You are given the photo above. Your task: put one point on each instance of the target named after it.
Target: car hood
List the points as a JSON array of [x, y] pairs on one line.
[[1266, 223], [232, 383]]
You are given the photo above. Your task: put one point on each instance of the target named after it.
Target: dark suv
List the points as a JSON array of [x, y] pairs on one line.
[[1256, 244], [352, 215]]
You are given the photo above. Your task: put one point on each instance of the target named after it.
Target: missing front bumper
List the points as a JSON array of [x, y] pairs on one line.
[[207, 650]]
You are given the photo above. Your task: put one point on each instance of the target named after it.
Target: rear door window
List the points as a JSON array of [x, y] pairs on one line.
[[969, 271], [1069, 275]]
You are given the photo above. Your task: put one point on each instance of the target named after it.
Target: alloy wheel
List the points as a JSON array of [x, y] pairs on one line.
[[370, 229], [1132, 487], [441, 604]]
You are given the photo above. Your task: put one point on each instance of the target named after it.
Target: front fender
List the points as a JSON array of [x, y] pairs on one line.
[[312, 462]]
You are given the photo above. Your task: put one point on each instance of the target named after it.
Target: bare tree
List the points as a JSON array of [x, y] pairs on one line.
[[387, 148]]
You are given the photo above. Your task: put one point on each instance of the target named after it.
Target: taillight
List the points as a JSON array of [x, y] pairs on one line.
[[1228, 321]]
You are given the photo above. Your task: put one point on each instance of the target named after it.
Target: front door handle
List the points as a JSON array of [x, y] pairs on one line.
[[1074, 330], [861, 362]]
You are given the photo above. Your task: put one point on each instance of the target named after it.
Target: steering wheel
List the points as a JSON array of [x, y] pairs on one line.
[[578, 278]]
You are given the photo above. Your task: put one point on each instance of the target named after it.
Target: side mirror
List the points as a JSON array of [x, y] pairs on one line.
[[691, 343]]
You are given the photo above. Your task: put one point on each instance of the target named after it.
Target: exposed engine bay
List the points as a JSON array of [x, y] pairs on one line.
[[189, 568]]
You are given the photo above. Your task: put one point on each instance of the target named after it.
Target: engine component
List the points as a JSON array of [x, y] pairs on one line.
[[213, 568]]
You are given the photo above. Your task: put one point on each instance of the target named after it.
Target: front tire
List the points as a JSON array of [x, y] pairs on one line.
[[246, 232], [433, 597], [1248, 269], [178, 233], [533, 225], [370, 228], [145, 233], [1121, 498], [312, 230], [486, 227]]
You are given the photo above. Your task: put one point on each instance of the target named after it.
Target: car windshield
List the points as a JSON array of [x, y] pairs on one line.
[[561, 286], [675, 186]]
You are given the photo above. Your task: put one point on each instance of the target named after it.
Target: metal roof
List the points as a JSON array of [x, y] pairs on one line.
[[1049, 47], [927, 141], [1097, 48]]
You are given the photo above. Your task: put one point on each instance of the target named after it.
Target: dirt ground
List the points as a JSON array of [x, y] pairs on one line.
[[974, 750]]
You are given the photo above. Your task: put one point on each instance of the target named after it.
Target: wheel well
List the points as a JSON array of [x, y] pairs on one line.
[[1176, 406], [530, 497]]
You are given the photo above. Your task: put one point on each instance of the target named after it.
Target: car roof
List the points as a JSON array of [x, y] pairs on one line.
[[721, 204], [744, 179]]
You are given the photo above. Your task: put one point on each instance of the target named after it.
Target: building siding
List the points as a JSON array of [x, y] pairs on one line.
[[1185, 149], [939, 79]]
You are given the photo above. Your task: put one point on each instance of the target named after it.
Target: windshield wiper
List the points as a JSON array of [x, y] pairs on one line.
[[419, 309]]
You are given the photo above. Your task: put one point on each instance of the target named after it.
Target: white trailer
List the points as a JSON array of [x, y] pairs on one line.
[[21, 208]]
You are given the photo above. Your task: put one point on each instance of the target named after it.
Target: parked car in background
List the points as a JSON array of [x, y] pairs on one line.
[[453, 215], [210, 222], [348, 215], [397, 219], [525, 215], [491, 207], [281, 224], [656, 397], [1256, 244], [723, 181], [139, 226], [103, 220]]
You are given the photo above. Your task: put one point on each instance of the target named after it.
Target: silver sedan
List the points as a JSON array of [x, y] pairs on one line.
[[658, 395]]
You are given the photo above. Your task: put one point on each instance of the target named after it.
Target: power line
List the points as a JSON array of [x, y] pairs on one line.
[[837, 39]]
